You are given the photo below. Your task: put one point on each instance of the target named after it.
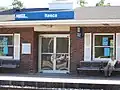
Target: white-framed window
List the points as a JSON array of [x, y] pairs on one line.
[[10, 46], [103, 46]]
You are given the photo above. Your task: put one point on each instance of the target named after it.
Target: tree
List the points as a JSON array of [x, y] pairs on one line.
[[82, 3], [17, 4], [3, 8], [108, 4], [102, 3]]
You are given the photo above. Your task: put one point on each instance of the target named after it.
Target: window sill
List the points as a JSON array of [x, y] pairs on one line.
[[102, 59], [6, 57]]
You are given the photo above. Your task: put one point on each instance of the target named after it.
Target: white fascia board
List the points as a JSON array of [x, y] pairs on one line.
[[62, 22], [7, 17]]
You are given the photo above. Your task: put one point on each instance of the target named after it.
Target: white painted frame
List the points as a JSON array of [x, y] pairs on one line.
[[7, 57], [94, 45], [16, 46], [117, 46], [85, 47], [54, 52]]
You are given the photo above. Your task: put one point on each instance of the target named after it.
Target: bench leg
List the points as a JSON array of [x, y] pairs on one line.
[[78, 72]]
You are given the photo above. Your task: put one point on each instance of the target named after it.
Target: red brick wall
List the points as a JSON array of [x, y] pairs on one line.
[[27, 35], [77, 44], [76, 49], [29, 62], [36, 44]]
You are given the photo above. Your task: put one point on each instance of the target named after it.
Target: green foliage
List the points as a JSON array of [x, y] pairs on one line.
[[82, 3], [3, 8], [108, 4], [102, 3], [17, 4]]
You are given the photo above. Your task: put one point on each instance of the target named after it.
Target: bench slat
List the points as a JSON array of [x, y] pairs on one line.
[[117, 69], [88, 68], [94, 68], [8, 66]]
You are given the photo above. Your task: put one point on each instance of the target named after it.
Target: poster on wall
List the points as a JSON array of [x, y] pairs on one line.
[[5, 48], [106, 51], [105, 41], [111, 42], [26, 48]]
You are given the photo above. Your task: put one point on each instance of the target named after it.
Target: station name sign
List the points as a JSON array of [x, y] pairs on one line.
[[49, 15]]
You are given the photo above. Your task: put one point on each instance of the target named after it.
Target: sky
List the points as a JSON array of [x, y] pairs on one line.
[[44, 3]]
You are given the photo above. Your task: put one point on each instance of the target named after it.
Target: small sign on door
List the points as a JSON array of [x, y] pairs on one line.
[[26, 48]]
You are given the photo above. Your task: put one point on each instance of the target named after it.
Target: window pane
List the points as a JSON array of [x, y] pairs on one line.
[[62, 45], [103, 52], [103, 40], [6, 40], [47, 45], [62, 61], [6, 51], [47, 62]]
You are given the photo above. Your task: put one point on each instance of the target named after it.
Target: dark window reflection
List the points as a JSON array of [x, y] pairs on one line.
[[62, 45], [47, 45]]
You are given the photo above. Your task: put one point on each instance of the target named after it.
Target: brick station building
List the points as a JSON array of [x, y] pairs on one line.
[[55, 41]]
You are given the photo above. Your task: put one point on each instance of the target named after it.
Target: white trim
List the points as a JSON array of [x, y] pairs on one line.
[[39, 53], [69, 55], [46, 53], [62, 53], [54, 71], [102, 46], [98, 22], [103, 34], [6, 34], [54, 53], [17, 46], [6, 57], [86, 58], [116, 38], [52, 28], [54, 35], [117, 34]]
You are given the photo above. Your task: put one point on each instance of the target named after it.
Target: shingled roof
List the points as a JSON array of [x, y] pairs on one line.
[[106, 12], [13, 11]]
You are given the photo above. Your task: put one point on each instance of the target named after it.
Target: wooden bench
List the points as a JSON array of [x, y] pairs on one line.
[[94, 66]]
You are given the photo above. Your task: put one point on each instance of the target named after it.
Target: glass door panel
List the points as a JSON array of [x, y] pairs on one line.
[[54, 53], [47, 53], [47, 62], [62, 45], [62, 55], [47, 45], [62, 62]]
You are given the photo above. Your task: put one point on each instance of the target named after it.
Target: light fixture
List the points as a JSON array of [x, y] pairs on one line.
[[78, 29], [79, 32]]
